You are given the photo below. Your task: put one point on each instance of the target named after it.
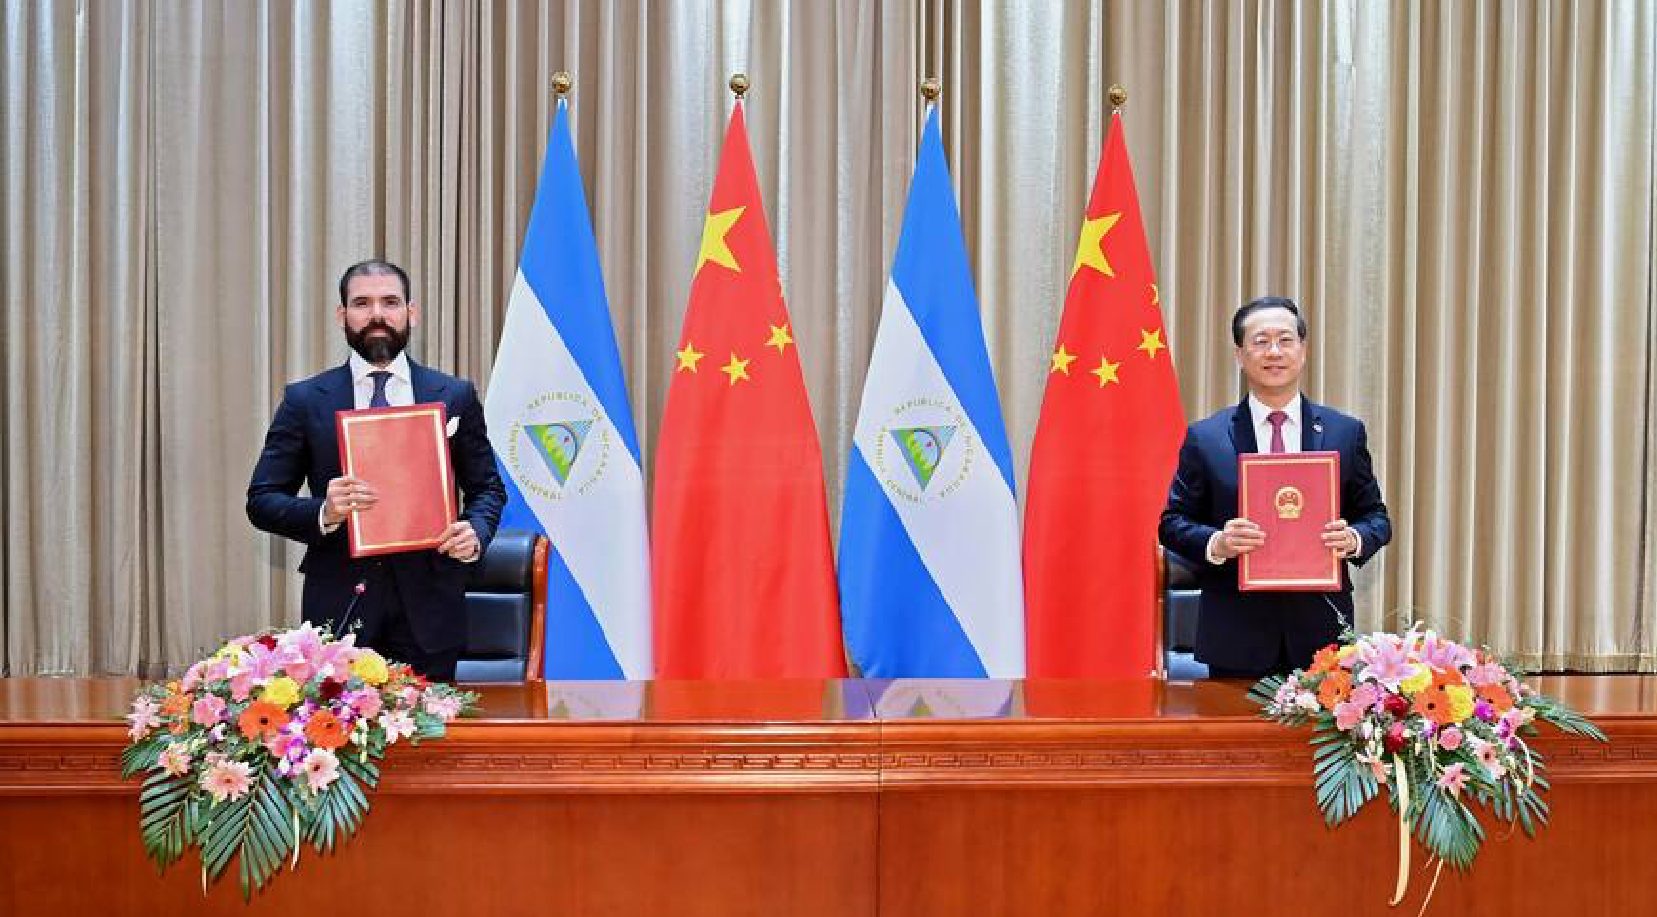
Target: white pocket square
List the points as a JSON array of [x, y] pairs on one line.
[[454, 424]]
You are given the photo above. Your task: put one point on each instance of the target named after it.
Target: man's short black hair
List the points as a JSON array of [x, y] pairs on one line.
[[1264, 302], [369, 267]]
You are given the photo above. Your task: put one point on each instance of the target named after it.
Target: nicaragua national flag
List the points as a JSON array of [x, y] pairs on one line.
[[563, 434], [930, 576]]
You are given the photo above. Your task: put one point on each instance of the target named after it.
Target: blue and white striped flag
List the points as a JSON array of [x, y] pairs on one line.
[[930, 577], [563, 433]]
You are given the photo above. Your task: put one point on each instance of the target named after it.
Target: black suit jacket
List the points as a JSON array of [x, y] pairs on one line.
[[1244, 630], [302, 447]]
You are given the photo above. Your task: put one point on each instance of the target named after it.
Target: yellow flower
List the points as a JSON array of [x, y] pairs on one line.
[[370, 667], [282, 691], [1461, 701], [1346, 652], [1419, 681]]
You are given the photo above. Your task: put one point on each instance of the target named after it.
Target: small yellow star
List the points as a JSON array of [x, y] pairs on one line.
[[780, 338], [1106, 372], [688, 357], [736, 369], [1090, 250], [1156, 296], [1151, 342], [714, 247], [1061, 361]]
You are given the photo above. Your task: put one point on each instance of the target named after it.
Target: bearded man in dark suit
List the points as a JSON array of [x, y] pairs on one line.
[[409, 606]]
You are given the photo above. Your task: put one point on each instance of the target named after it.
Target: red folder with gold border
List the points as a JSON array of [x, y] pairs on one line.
[[403, 453], [1291, 496]]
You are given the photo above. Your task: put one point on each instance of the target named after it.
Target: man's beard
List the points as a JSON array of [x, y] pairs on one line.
[[378, 349]]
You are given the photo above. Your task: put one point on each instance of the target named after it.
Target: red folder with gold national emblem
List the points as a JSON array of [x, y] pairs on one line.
[[403, 453], [1292, 496]]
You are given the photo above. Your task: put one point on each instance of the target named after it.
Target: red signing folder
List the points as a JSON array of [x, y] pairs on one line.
[[403, 453], [1292, 496]]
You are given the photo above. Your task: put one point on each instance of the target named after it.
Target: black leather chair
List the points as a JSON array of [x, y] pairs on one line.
[[506, 601], [1179, 598]]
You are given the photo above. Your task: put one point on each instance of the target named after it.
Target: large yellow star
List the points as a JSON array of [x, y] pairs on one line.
[[1061, 361], [1106, 372], [736, 369], [688, 357], [1151, 342], [780, 338], [1090, 250], [714, 247]]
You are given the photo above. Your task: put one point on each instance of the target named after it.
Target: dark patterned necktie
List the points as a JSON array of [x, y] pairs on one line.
[[381, 377]]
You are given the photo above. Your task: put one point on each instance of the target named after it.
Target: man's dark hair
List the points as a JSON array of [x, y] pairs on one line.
[[1249, 308], [369, 267]]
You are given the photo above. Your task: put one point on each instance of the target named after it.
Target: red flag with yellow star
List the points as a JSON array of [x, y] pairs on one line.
[[743, 573], [1104, 452]]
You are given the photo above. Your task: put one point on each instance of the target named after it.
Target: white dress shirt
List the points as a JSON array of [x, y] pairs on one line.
[[399, 389], [1263, 427]]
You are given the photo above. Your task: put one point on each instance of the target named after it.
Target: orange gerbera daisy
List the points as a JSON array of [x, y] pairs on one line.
[[1434, 704], [1335, 688], [1444, 678], [261, 719], [325, 730], [1325, 660], [1498, 697]]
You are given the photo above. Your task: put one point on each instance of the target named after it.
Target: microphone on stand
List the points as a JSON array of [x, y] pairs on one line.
[[346, 624]]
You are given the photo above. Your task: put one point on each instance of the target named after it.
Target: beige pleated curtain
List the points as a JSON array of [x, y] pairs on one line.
[[1460, 195]]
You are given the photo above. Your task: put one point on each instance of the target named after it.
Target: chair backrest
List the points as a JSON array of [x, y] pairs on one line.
[[1179, 597], [506, 610]]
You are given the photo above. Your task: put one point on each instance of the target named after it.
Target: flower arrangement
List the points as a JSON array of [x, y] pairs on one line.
[[270, 742], [1439, 725]]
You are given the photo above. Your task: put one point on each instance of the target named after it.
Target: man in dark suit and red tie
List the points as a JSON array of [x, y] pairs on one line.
[[408, 606], [1250, 634]]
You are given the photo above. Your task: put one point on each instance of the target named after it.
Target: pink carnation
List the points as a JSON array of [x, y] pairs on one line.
[[208, 710], [1348, 714], [367, 703], [1450, 738]]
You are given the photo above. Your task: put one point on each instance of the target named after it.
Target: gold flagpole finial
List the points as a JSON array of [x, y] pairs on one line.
[[1118, 96], [562, 82], [739, 84], [930, 89]]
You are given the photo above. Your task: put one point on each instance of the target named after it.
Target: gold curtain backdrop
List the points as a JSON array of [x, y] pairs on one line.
[[1460, 195]]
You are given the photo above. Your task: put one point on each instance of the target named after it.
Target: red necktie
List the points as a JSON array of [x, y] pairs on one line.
[[1277, 419]]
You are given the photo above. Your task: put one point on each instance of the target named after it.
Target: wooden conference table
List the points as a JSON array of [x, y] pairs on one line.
[[838, 797]]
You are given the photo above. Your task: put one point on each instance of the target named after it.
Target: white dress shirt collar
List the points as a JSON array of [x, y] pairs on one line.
[[1259, 411]]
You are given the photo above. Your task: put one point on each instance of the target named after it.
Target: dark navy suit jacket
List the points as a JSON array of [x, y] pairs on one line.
[[302, 446], [1245, 630]]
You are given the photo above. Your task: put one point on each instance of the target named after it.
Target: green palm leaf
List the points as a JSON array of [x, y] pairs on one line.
[[1447, 828], [257, 829], [162, 817]]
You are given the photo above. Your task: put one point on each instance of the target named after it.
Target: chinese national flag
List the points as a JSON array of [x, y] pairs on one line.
[[743, 573], [1104, 452]]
